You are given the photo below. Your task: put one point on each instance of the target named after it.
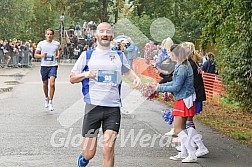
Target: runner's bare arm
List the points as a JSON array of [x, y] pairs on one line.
[[131, 75], [38, 55], [59, 52], [76, 78]]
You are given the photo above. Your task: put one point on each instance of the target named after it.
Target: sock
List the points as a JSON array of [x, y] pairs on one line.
[[188, 124], [196, 138], [192, 124], [46, 98], [50, 101], [186, 140], [83, 161]]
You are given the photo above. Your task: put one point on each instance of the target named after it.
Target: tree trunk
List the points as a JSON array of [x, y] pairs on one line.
[[104, 11], [116, 15]]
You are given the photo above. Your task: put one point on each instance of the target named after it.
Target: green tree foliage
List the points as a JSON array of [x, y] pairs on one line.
[[16, 19], [143, 23], [179, 12], [32, 17], [228, 24], [117, 7], [89, 9], [45, 17], [26, 20]]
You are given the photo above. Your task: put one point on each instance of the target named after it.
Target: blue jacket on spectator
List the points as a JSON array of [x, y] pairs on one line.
[[130, 51], [136, 51], [182, 84], [209, 66]]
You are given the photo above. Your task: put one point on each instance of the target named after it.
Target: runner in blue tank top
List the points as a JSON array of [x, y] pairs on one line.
[[100, 72]]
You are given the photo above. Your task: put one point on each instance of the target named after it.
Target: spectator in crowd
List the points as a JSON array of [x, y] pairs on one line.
[[204, 58], [75, 40], [84, 27], [1, 52], [130, 51], [71, 51], [137, 52], [76, 52], [92, 27], [78, 30], [20, 50], [4, 51], [89, 38], [65, 52], [210, 65], [182, 87], [194, 58], [86, 47], [163, 63]]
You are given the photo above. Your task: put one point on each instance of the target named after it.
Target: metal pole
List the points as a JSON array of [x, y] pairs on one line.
[[61, 32], [61, 26]]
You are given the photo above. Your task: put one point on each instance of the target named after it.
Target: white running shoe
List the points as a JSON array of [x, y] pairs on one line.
[[201, 152], [190, 159], [51, 107], [170, 133], [46, 102], [178, 148], [178, 157]]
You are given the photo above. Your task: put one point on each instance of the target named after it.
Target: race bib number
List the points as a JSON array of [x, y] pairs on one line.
[[49, 58], [108, 77]]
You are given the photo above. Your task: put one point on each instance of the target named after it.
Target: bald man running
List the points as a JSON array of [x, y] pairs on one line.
[[100, 72]]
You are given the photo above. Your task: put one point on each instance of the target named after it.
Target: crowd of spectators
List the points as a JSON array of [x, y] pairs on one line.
[[16, 52]]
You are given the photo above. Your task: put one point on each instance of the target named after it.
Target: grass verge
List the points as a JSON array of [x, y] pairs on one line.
[[229, 120]]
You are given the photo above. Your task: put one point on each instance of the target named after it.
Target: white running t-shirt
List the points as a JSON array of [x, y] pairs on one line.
[[51, 48], [105, 89]]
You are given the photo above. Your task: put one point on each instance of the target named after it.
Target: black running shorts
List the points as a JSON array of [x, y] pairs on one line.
[[95, 116]]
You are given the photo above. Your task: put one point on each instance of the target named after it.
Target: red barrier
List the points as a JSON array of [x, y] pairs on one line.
[[213, 86], [140, 67]]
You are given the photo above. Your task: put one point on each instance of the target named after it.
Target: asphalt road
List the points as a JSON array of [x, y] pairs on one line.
[[32, 136]]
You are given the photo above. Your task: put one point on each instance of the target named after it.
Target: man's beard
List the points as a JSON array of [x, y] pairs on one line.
[[107, 44]]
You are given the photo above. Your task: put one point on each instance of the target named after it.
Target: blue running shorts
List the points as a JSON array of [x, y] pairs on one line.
[[48, 71]]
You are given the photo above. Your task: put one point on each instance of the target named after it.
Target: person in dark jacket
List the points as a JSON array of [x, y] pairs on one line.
[[209, 65], [194, 58]]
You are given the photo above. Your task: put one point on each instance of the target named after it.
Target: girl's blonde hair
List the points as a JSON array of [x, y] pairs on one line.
[[193, 53], [166, 44]]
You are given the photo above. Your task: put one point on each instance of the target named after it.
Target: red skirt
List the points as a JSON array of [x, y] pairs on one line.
[[180, 109]]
